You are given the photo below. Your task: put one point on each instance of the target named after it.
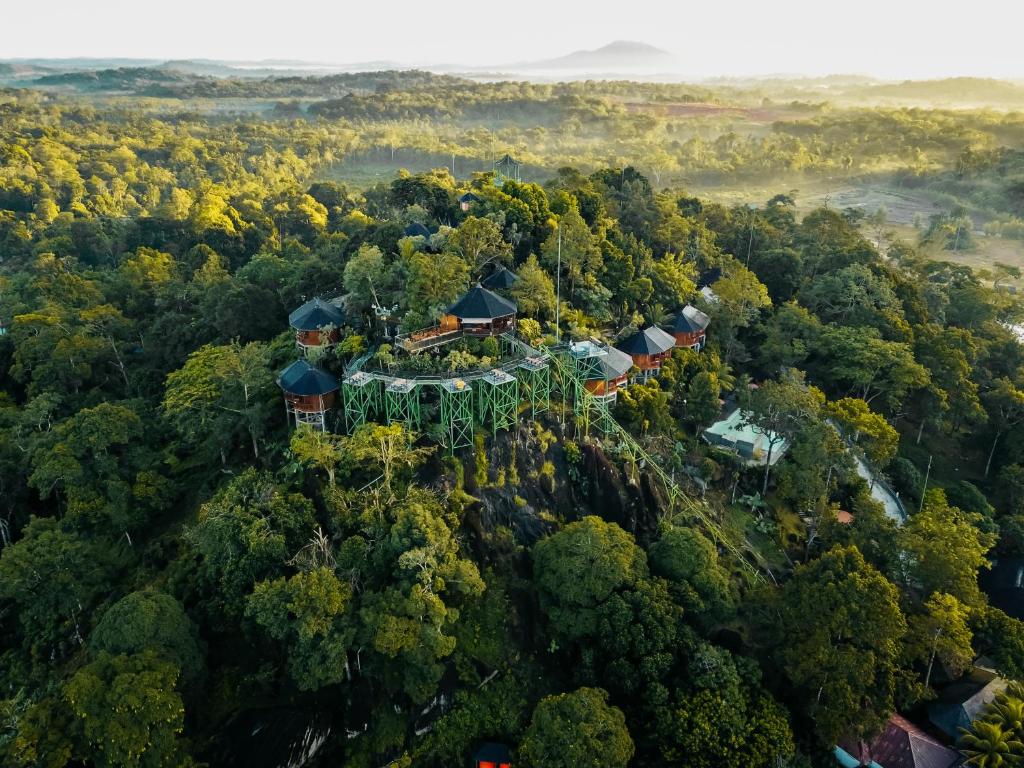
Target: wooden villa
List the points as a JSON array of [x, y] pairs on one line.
[[613, 368], [467, 200], [309, 393], [649, 348], [317, 323], [478, 313], [690, 328], [481, 312]]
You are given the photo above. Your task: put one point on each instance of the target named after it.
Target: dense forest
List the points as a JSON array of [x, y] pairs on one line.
[[187, 580]]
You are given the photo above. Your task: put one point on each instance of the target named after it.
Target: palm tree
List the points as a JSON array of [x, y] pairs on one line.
[[1007, 711], [987, 745]]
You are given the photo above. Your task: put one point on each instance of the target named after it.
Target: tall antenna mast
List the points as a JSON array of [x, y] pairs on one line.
[[558, 286]]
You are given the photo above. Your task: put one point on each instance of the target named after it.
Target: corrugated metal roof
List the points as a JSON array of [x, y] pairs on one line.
[[690, 320], [650, 341]]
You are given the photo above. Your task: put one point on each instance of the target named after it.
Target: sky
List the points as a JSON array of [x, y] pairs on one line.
[[886, 38]]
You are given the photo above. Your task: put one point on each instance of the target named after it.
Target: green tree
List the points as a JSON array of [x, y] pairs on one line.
[[221, 390], [790, 336], [1005, 405], [740, 299], [579, 568], [857, 362], [245, 534], [479, 242], [580, 255], [862, 426], [534, 291], [51, 580], [306, 612], [945, 549], [320, 449], [577, 730], [844, 677], [702, 399], [779, 410], [367, 275], [942, 632], [127, 712], [151, 621], [387, 450], [689, 561]]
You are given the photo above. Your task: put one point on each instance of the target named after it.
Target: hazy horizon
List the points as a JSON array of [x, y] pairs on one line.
[[881, 39]]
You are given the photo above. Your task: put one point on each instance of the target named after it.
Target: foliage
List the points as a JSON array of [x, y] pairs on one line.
[[577, 729], [845, 677]]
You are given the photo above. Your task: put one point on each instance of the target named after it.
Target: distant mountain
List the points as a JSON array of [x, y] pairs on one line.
[[620, 56]]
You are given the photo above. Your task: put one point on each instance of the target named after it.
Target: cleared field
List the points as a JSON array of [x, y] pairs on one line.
[[902, 207], [987, 251]]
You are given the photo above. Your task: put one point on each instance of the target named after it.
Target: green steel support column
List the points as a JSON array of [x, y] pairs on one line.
[[457, 414], [499, 395], [402, 403], [506, 345], [359, 393], [586, 359], [536, 378], [480, 405]]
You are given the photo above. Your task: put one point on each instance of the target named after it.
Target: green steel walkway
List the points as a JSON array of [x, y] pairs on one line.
[[562, 367]]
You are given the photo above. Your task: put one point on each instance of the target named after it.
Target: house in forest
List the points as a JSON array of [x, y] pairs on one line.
[[609, 375], [965, 700], [492, 755], [690, 328], [649, 348], [317, 323], [706, 280], [417, 230], [900, 745], [309, 393], [467, 200], [734, 432], [480, 312], [500, 280]]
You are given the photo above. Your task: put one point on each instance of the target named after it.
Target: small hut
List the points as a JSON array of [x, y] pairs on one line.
[[690, 328], [492, 755], [500, 280], [417, 230], [317, 323], [648, 348], [308, 393], [612, 373], [480, 312], [466, 201]]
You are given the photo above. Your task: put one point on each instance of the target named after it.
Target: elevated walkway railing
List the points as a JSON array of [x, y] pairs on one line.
[[417, 341]]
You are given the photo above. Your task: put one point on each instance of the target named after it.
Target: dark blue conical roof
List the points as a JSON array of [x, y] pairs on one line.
[[500, 280], [315, 314], [302, 378], [478, 302]]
